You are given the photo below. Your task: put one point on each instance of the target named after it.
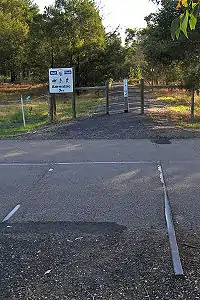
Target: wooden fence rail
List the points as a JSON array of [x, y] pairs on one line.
[[95, 88], [164, 87], [52, 101], [90, 88]]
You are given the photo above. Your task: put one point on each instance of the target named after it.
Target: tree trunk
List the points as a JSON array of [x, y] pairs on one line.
[[78, 74], [53, 96], [13, 77], [192, 105]]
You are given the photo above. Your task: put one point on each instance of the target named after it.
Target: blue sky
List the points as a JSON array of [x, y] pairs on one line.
[[126, 13]]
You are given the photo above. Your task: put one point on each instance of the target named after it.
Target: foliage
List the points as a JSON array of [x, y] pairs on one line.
[[69, 33], [166, 60], [188, 17], [15, 16]]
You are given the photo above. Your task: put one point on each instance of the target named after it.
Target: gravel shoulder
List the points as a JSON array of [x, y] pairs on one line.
[[50, 261]]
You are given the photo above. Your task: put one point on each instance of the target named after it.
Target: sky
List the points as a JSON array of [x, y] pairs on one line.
[[126, 13]]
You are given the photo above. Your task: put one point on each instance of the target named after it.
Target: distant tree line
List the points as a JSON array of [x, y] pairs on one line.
[[69, 33], [157, 57]]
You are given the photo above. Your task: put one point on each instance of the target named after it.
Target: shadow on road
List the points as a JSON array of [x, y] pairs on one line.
[[52, 227]]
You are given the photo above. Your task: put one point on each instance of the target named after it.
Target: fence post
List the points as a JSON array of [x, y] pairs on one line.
[[107, 97], [142, 95], [74, 97], [192, 105]]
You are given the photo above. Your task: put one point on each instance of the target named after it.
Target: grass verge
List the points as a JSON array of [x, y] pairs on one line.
[[36, 111], [174, 106]]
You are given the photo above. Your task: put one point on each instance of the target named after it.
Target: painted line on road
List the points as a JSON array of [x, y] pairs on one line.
[[11, 213], [75, 163], [103, 163], [51, 164], [24, 164], [178, 270]]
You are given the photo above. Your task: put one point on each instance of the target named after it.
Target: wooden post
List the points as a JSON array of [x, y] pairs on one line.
[[107, 97], [50, 108], [142, 95], [192, 105], [54, 105], [74, 97]]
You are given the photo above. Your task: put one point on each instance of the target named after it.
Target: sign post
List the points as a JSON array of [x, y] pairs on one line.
[[61, 80], [23, 114], [74, 97], [107, 97], [142, 95], [126, 106]]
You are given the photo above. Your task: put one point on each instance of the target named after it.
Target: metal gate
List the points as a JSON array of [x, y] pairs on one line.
[[117, 99]]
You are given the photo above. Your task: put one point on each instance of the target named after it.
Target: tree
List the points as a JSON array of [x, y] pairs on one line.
[[69, 33], [170, 60], [15, 16], [77, 35], [113, 56]]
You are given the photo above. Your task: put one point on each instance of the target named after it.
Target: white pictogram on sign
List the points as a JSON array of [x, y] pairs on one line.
[[61, 80]]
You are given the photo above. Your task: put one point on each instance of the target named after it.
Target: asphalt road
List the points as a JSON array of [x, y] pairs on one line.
[[130, 195], [114, 172], [91, 220]]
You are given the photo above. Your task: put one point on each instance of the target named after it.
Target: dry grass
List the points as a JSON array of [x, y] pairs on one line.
[[175, 107], [7, 87]]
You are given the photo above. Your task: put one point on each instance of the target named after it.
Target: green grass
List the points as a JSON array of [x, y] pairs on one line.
[[179, 109], [18, 130], [190, 125], [36, 111]]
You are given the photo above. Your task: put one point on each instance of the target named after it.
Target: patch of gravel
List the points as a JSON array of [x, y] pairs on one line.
[[116, 126], [79, 264]]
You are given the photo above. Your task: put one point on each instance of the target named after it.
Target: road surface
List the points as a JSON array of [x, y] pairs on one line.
[[82, 209], [91, 219]]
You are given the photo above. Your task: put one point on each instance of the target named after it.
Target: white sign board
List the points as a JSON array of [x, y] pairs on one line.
[[125, 88], [60, 80]]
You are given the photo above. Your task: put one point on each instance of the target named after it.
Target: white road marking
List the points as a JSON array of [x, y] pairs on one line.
[[47, 272], [103, 163], [94, 163], [76, 163], [11, 213], [23, 164], [178, 270]]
